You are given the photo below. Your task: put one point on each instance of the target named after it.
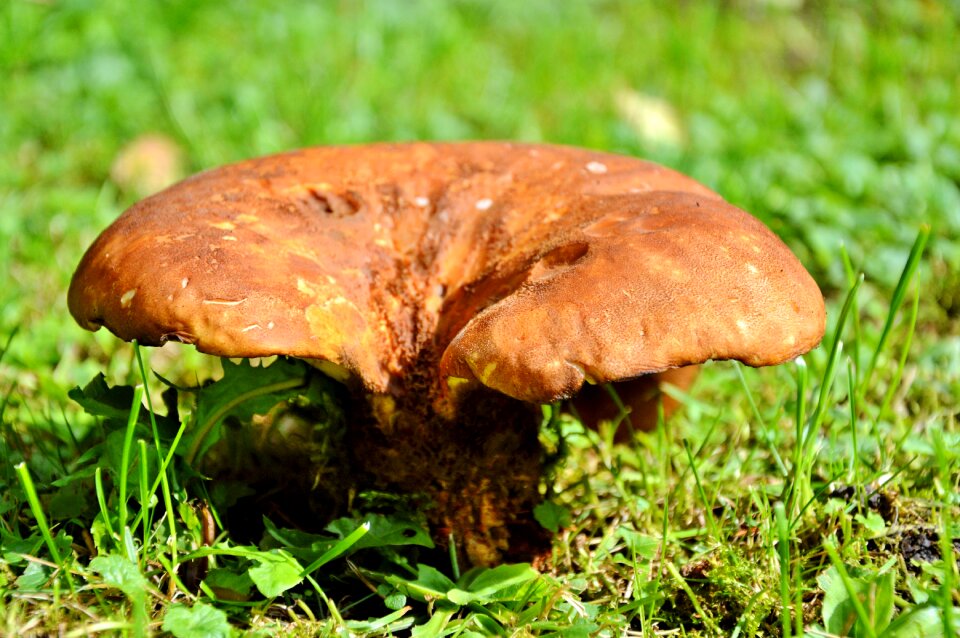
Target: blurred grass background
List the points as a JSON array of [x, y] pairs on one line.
[[836, 122]]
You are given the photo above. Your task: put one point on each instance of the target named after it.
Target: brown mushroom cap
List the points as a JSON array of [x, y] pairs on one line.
[[660, 282], [529, 268]]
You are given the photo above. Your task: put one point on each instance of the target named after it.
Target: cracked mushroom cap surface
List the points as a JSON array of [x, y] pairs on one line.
[[527, 268]]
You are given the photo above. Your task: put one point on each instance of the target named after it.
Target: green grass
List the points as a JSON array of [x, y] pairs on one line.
[[779, 502]]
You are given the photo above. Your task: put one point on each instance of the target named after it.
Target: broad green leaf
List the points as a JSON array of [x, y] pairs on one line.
[[120, 572], [435, 626], [489, 625], [552, 516], [33, 578], [430, 583], [113, 404], [99, 399], [69, 502], [384, 531], [276, 571], [875, 591], [101, 536], [229, 584], [391, 624], [304, 546], [640, 544], [489, 585], [918, 622], [14, 549], [873, 523], [339, 548], [395, 601], [199, 621], [242, 392]]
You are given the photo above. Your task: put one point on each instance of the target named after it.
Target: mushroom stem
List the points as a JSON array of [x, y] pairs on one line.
[[481, 469], [638, 399]]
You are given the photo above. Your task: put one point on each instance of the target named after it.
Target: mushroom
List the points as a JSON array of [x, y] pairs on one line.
[[457, 287], [638, 401]]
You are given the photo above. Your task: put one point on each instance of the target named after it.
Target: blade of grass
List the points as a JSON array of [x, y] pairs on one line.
[[162, 473], [708, 511], [623, 413], [830, 371], [904, 353], [798, 483], [6, 346], [452, 551], [830, 545], [102, 501], [694, 600], [34, 501], [760, 420], [165, 465], [125, 463], [667, 504], [899, 293], [7, 433], [852, 395], [851, 275], [944, 486], [803, 377], [783, 550], [341, 546], [145, 494]]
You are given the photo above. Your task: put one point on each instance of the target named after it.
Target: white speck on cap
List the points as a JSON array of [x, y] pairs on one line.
[[127, 298], [223, 302], [422, 202], [597, 168], [184, 282], [484, 204]]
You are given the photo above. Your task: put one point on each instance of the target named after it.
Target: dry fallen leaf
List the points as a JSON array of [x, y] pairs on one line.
[[652, 118], [148, 164]]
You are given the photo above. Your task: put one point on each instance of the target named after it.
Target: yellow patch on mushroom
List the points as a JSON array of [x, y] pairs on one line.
[[456, 382]]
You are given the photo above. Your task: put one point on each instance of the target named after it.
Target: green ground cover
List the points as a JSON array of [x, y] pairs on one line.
[[820, 497]]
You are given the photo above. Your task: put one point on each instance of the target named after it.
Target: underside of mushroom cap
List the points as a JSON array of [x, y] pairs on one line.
[[528, 268]]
